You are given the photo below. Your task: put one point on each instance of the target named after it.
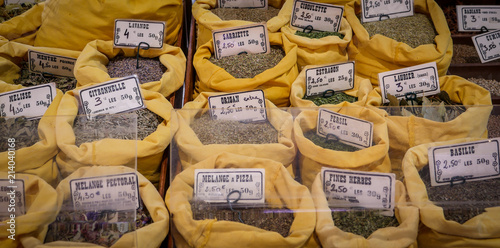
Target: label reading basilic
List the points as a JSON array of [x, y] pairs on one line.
[[251, 38], [249, 106], [316, 16], [50, 63], [129, 33], [487, 45], [31, 102], [346, 129], [377, 10], [337, 77], [254, 4], [12, 199], [473, 18]]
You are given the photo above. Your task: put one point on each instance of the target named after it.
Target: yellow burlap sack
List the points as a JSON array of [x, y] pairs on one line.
[[91, 65], [281, 190], [113, 151], [404, 235], [311, 158], [482, 230], [379, 53], [41, 209], [22, 28], [275, 82]]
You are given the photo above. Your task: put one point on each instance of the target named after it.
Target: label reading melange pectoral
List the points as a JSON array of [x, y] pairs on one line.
[[346, 129], [251, 38], [249, 106]]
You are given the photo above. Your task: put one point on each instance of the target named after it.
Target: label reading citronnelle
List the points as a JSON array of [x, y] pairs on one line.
[[129, 33], [253, 4], [337, 77], [346, 188], [377, 10], [51, 64], [423, 80], [251, 38], [473, 18], [111, 192], [346, 129], [487, 45], [12, 199], [249, 106], [31, 102], [215, 185], [470, 161], [314, 16]]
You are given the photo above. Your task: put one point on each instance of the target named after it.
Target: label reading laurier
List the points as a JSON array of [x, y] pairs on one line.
[[12, 198], [249, 106], [251, 38], [487, 45], [377, 10], [337, 77], [253, 4], [51, 64], [130, 33], [31, 102], [473, 18], [314, 16]]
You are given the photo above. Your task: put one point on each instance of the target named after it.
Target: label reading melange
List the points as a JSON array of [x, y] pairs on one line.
[[487, 45], [249, 106], [254, 4], [215, 185], [378, 10], [346, 129], [112, 192], [51, 64], [251, 38], [471, 18], [316, 16], [423, 80], [346, 188], [31, 102], [129, 33], [470, 161], [337, 77], [12, 198]]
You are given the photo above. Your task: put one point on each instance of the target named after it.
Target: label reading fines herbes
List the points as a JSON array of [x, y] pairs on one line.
[[51, 64], [377, 10], [487, 45], [247, 106], [472, 18], [31, 102], [251, 38], [254, 4], [316, 16], [130, 33], [346, 129], [337, 77], [12, 200]]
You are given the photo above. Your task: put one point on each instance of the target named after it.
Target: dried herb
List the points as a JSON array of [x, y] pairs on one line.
[[24, 131], [492, 85], [450, 12], [336, 98], [319, 35], [13, 10], [246, 14], [150, 69], [28, 79], [464, 54], [328, 144], [362, 222], [494, 126]]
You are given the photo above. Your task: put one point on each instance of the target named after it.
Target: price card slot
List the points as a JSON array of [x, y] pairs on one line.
[[337, 77], [474, 18], [487, 45], [314, 16], [249, 106], [253, 4], [377, 10], [347, 129], [251, 38], [12, 199], [51, 64], [31, 102], [129, 33]]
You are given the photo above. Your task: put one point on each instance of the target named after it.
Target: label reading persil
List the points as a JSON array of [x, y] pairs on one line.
[[487, 45], [221, 185], [346, 129], [112, 97], [346, 188], [112, 192], [51, 64], [473, 18], [249, 106], [253, 4], [470, 161], [316, 16], [337, 77], [423, 80], [12, 198], [31, 102], [251, 38], [378, 10], [130, 33]]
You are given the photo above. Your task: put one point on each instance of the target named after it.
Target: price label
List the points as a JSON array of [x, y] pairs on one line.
[[347, 129], [112, 97], [487, 45], [12, 199], [345, 188], [316, 16], [423, 80], [251, 38], [219, 185], [112, 192], [471, 161], [31, 102], [249, 106], [254, 4], [129, 33], [471, 18], [7, 2], [50, 63], [337, 77], [378, 10]]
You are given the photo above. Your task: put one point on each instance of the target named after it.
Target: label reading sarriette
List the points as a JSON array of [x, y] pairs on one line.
[[249, 106], [473, 18], [347, 129], [487, 45], [251, 38], [52, 64], [315, 16], [253, 4], [337, 77], [377, 10], [12, 198], [31, 102], [130, 33]]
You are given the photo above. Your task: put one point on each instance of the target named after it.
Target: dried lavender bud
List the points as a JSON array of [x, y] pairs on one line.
[[24, 131], [150, 69], [246, 14], [28, 79], [328, 144], [493, 86], [334, 99], [464, 54], [362, 222], [318, 35], [13, 10]]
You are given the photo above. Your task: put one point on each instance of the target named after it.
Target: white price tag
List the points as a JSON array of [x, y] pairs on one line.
[[487, 45], [249, 106], [472, 18], [7, 2], [215, 185], [337, 77], [423, 80], [251, 38], [112, 192], [31, 102], [12, 199], [378, 10], [470, 161], [347, 129], [129, 33], [319, 16], [254, 4], [50, 63], [345, 188]]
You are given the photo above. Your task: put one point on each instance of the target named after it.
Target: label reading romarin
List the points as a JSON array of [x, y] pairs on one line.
[[475, 17], [50, 63], [487, 45], [314, 16], [31, 102], [377, 10], [254, 4], [251, 38], [249, 106], [129, 33], [337, 77], [12, 198], [347, 129]]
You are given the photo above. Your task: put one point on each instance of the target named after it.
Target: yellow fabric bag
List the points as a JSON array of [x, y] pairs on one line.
[[379, 53], [91, 65], [275, 82], [113, 151], [22, 28], [404, 235], [281, 190], [311, 158]]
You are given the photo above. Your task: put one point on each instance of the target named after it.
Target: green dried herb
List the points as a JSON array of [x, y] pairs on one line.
[[13, 10], [336, 98], [246, 14], [319, 35], [24, 131], [28, 79], [328, 144], [362, 222], [150, 69]]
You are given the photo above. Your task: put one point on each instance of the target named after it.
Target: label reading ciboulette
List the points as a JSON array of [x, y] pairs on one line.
[[31, 102], [251, 38], [249, 106], [337, 77], [316, 16], [111, 192], [12, 198], [347, 129], [469, 161], [214, 185], [130, 33], [472, 18], [377, 10], [253, 4], [423, 80], [51, 64], [487, 45]]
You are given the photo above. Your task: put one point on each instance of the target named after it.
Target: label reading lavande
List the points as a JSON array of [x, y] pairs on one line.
[[254, 4], [129, 33], [377, 10], [215, 185], [487, 45], [423, 80], [251, 38], [346, 188], [347, 129], [12, 199], [50, 63], [319, 16], [470, 161], [112, 192], [337, 77], [112, 97], [31, 102], [472, 18], [249, 106]]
